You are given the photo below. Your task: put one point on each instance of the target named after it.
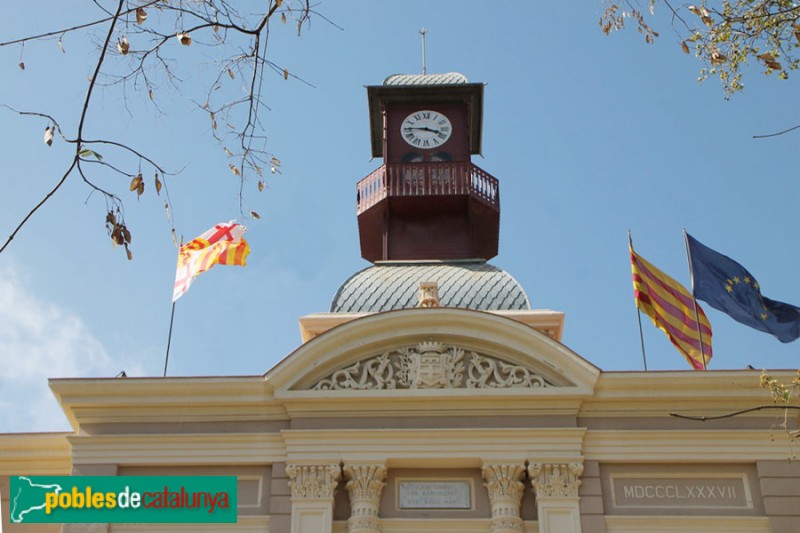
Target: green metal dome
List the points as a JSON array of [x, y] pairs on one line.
[[395, 285]]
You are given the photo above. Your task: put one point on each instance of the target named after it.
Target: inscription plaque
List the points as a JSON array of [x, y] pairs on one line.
[[681, 492], [434, 495]]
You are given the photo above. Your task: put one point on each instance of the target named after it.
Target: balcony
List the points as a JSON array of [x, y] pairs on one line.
[[399, 180], [422, 211]]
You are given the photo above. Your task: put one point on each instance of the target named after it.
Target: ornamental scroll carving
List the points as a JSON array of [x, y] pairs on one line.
[[313, 481], [431, 365], [555, 480]]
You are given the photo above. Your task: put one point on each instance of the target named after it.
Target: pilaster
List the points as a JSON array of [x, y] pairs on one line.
[[556, 487], [365, 484], [312, 487], [503, 482]]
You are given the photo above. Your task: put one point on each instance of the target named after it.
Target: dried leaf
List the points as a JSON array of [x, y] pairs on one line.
[[227, 152], [235, 170], [111, 219], [123, 47], [135, 182], [230, 73], [140, 189], [255, 215], [275, 161], [283, 18], [61, 46], [278, 3], [152, 96], [22, 65], [717, 58], [286, 74], [126, 234], [684, 47], [158, 185], [213, 124], [184, 38], [129, 254], [85, 152], [141, 15], [260, 186], [48, 135]]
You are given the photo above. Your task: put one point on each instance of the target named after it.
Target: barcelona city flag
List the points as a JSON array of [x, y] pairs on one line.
[[728, 287], [672, 309], [223, 244]]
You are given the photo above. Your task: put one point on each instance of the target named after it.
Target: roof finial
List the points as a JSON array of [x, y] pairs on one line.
[[422, 32]]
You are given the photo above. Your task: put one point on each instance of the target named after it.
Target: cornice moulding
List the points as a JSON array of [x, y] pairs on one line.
[[35, 454], [715, 446], [225, 448], [671, 524], [468, 446]]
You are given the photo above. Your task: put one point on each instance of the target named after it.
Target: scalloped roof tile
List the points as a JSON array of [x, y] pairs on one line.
[[448, 78], [471, 285]]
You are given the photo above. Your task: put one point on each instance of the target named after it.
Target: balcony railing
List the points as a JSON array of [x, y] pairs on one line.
[[427, 179]]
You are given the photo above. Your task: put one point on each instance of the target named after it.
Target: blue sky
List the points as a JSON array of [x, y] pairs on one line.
[[589, 136]]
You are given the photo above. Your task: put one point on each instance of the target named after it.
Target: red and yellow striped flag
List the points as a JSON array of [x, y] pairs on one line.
[[223, 244], [671, 308]]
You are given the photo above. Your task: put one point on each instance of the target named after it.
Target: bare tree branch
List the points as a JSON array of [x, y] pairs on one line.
[[735, 413]]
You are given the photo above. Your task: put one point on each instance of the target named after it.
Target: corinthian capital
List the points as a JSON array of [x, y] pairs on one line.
[[555, 479], [505, 494], [313, 481], [365, 482]]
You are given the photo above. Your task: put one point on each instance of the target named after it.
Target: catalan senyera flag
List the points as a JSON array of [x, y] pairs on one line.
[[223, 244], [671, 308]]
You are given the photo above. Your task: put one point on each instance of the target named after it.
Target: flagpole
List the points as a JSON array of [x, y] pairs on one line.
[[694, 300], [639, 314], [169, 338]]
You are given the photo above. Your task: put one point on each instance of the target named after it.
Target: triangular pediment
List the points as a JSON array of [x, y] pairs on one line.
[[432, 351]]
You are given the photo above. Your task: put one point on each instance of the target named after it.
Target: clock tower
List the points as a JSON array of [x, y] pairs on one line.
[[428, 201]]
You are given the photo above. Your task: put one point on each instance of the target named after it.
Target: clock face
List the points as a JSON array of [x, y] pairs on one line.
[[426, 129]]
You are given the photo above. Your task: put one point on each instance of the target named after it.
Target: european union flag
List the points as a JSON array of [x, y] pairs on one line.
[[728, 287]]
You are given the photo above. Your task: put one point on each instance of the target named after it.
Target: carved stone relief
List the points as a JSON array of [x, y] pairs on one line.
[[431, 365]]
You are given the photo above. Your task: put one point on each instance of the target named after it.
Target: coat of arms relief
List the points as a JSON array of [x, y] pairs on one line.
[[431, 365]]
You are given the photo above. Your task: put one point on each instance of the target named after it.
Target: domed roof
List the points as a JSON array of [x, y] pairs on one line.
[[448, 78], [395, 285]]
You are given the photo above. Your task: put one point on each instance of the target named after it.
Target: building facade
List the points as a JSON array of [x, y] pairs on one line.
[[432, 397]]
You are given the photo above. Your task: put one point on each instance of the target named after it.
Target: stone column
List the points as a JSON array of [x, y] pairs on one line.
[[505, 494], [312, 496], [556, 487], [365, 483]]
